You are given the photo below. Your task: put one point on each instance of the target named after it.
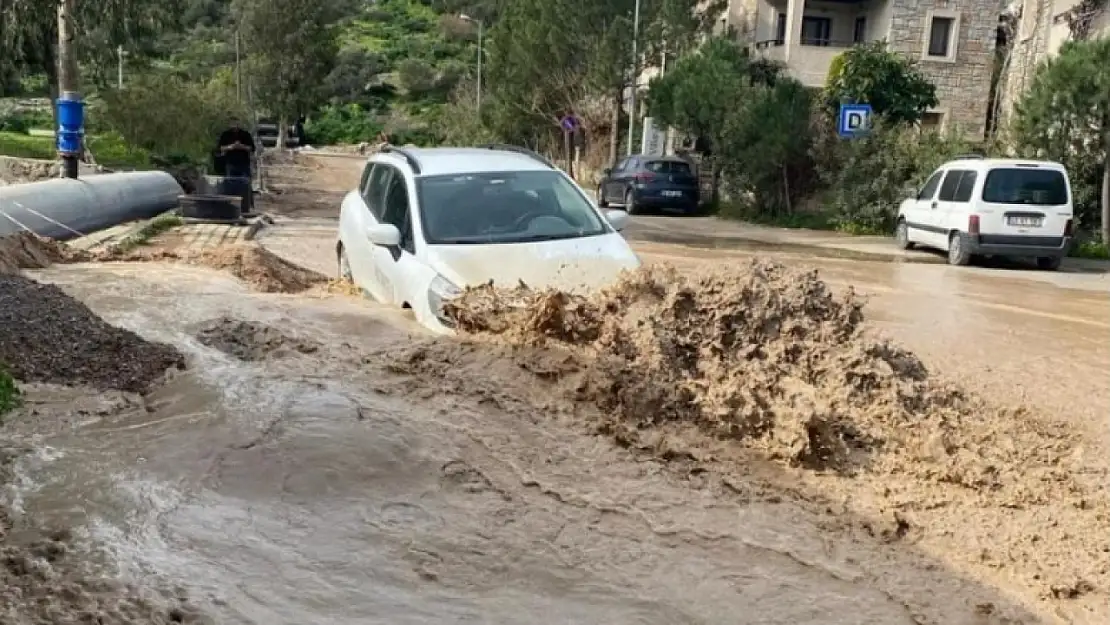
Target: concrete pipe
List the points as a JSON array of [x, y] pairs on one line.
[[66, 208]]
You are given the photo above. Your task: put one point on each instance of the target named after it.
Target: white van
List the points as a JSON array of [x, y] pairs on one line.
[[976, 206]]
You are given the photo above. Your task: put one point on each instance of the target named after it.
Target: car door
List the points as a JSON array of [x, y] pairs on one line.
[[958, 210], [936, 218], [917, 217], [398, 266], [360, 251], [946, 209], [614, 191]]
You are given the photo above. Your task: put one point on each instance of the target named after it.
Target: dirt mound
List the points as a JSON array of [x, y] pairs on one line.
[[251, 263], [729, 369], [251, 341], [29, 251], [48, 336]]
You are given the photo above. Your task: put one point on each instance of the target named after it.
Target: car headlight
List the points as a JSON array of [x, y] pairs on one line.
[[439, 291]]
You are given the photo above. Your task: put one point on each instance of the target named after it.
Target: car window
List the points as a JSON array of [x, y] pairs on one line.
[[374, 194], [365, 179], [1017, 185], [668, 167], [396, 202], [505, 207], [621, 165], [966, 186], [948, 187], [930, 189]]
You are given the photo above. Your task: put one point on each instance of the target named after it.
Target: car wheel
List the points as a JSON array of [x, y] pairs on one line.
[[1049, 263], [345, 267], [630, 203], [959, 253], [902, 236], [601, 197]]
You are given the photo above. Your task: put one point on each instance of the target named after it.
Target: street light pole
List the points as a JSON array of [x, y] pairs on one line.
[[481, 28], [635, 76], [69, 135]]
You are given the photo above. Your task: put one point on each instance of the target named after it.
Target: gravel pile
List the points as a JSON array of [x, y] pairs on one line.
[[48, 336]]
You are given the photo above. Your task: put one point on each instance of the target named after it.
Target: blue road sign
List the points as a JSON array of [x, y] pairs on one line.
[[569, 123], [855, 120]]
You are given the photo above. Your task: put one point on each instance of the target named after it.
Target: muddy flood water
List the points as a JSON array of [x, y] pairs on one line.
[[321, 460]]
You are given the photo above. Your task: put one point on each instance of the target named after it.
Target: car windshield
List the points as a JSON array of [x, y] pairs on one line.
[[504, 207], [1017, 185], [668, 167]]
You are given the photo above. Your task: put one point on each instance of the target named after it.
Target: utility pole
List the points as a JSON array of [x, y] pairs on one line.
[[481, 27], [635, 76], [119, 66], [238, 68], [71, 113]]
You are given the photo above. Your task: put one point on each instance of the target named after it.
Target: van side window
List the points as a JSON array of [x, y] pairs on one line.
[[950, 184], [930, 188], [967, 184]]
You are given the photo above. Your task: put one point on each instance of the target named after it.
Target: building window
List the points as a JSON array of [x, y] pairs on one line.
[[932, 120], [941, 34], [780, 30], [816, 31], [859, 33], [1028, 20]]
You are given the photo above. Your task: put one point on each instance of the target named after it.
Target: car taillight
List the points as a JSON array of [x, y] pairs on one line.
[[1067, 228], [644, 177], [973, 224]]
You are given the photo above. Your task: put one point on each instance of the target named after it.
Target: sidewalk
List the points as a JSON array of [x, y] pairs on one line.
[[180, 238]]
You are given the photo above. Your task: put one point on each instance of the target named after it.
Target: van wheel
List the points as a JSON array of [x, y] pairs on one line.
[[902, 236], [1049, 263], [959, 253]]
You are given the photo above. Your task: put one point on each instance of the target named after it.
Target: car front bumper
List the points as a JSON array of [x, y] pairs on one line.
[[1020, 246]]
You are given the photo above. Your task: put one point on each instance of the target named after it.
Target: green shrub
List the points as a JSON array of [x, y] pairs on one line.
[[10, 397], [342, 124]]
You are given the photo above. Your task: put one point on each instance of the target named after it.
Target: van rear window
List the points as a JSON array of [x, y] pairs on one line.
[[1016, 185]]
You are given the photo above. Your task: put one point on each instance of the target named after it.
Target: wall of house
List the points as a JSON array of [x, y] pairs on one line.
[[1039, 33], [963, 82]]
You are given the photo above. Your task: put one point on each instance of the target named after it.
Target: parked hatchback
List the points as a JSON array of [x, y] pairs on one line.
[[646, 182]]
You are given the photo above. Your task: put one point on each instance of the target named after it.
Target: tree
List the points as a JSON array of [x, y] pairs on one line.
[[291, 47], [765, 149], [870, 73], [704, 92], [1065, 116]]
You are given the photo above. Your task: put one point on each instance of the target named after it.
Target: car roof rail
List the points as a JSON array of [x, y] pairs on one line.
[[519, 150], [968, 157], [405, 154]]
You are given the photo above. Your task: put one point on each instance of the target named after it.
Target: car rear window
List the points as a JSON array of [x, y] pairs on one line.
[[1019, 185], [668, 167]]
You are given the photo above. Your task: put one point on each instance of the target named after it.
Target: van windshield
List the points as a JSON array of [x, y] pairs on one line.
[[1017, 185]]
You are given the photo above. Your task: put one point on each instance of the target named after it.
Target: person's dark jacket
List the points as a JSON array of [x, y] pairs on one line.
[[236, 161]]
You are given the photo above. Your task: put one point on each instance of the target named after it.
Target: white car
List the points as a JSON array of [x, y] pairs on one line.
[[975, 206], [428, 222]]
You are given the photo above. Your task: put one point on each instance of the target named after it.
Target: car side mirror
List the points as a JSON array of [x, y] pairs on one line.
[[385, 235], [617, 218]]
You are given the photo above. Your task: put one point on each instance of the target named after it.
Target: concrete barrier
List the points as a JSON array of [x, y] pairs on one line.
[[64, 208]]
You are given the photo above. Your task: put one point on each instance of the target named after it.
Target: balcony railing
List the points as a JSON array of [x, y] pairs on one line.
[[821, 43]]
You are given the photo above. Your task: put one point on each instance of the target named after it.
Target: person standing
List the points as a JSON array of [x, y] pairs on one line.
[[236, 145]]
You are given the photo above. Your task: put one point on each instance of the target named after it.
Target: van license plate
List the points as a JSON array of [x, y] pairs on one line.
[[672, 194], [1024, 221]]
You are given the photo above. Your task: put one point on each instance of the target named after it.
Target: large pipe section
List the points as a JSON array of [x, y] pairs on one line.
[[66, 208]]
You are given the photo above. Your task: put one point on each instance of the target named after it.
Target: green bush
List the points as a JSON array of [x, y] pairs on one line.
[[26, 146], [868, 178], [10, 397], [342, 124]]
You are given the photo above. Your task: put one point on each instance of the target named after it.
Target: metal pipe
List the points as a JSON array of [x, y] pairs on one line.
[[64, 208], [635, 76]]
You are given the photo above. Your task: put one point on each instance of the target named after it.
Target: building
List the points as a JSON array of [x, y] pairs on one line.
[[1035, 30], [953, 43]]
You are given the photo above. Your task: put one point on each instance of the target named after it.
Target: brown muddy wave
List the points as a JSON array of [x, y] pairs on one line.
[[723, 372]]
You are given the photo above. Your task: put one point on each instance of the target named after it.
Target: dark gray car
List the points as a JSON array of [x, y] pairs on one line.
[[646, 182]]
